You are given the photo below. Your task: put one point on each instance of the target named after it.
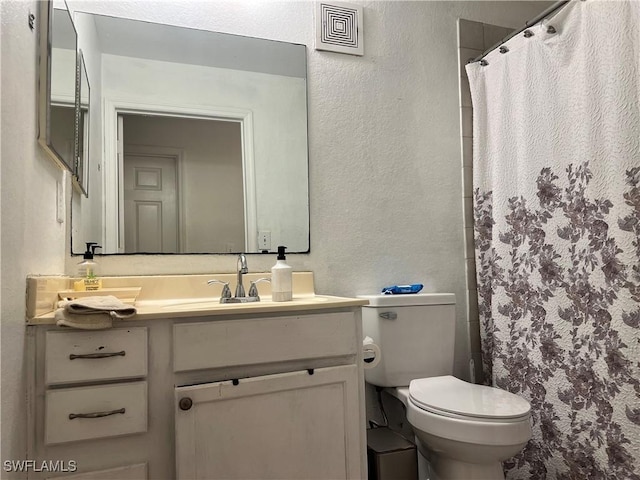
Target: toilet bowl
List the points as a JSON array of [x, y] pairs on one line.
[[464, 430]]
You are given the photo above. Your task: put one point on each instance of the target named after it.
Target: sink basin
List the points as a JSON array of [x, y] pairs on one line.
[[211, 306], [214, 303], [185, 306]]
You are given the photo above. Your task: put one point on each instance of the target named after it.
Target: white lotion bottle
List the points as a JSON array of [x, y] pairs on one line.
[[281, 279]]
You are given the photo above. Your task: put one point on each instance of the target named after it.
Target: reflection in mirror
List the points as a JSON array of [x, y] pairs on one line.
[[213, 140], [188, 182], [80, 178], [57, 83]]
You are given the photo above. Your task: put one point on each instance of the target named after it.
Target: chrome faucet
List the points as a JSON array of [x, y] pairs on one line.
[[242, 269], [240, 296]]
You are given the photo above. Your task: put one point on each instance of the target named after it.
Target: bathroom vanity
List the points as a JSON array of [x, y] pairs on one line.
[[190, 388]]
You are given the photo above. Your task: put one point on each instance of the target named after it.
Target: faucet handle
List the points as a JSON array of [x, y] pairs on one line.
[[253, 290], [226, 291]]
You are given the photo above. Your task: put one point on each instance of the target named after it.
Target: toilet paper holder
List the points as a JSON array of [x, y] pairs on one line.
[[370, 353]]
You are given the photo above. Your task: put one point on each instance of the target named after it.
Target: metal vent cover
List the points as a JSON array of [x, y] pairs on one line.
[[339, 28]]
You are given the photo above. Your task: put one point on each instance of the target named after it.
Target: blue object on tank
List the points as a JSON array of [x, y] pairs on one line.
[[402, 289]]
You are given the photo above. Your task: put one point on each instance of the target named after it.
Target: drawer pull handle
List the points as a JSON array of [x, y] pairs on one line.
[[388, 315], [98, 355], [95, 414]]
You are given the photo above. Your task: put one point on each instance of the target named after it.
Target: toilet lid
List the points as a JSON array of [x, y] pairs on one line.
[[451, 395]]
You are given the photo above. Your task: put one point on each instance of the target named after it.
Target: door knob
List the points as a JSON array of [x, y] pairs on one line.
[[185, 403]]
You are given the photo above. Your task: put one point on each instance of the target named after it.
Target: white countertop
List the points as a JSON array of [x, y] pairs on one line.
[[184, 296]]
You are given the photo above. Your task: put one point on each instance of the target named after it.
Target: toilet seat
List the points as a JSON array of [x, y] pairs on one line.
[[454, 398], [453, 409]]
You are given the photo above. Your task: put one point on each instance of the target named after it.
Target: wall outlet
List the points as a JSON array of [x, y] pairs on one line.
[[264, 240]]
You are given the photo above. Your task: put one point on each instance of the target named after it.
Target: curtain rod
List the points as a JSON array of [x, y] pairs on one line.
[[528, 24]]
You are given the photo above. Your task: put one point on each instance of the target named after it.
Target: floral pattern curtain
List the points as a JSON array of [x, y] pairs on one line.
[[557, 232]]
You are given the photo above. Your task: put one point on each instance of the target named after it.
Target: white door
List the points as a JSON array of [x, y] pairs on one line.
[[285, 426], [150, 203]]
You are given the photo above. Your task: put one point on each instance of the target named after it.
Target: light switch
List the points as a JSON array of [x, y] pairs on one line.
[[60, 202], [264, 240]]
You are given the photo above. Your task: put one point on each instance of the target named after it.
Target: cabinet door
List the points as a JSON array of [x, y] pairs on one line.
[[129, 472], [286, 426]]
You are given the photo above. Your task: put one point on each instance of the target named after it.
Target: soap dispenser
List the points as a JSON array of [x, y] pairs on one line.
[[281, 279], [88, 270]]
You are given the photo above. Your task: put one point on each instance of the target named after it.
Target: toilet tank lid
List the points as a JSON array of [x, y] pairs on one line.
[[381, 300]]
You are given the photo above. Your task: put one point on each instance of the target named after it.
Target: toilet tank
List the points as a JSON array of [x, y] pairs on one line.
[[415, 334]]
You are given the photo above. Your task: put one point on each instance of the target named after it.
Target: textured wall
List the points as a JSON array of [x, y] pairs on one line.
[[32, 240], [385, 186]]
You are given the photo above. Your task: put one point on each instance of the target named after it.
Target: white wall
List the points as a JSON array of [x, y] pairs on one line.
[[32, 240], [385, 186], [63, 75]]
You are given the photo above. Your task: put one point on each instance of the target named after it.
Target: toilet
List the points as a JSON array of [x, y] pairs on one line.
[[463, 430]]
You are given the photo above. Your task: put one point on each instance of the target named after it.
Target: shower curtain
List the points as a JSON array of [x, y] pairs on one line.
[[557, 236]]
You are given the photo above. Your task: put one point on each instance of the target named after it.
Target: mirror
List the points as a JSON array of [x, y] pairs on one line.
[[204, 138], [81, 154], [57, 84]]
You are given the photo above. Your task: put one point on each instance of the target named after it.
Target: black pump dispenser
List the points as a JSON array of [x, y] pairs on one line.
[[91, 250], [281, 250], [88, 270]]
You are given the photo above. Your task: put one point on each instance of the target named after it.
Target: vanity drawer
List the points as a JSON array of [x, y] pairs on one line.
[[95, 355], [119, 409], [128, 472], [230, 343]]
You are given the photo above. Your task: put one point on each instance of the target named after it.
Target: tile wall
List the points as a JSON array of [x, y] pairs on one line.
[[473, 39]]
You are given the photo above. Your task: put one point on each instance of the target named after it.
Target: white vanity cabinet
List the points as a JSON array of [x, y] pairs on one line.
[[291, 425], [87, 401], [90, 408], [301, 421], [244, 396]]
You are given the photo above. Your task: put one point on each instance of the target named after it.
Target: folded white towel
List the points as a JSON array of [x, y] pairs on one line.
[[100, 304], [94, 321], [92, 313]]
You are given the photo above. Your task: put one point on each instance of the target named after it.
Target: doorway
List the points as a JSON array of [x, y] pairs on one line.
[[182, 184]]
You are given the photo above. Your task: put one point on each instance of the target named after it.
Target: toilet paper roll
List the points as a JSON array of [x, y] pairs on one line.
[[370, 353]]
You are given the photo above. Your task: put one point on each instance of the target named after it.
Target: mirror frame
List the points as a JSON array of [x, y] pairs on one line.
[[45, 46], [82, 125]]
